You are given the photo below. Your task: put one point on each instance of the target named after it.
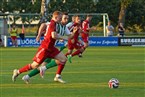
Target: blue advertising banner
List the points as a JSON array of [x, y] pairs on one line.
[[93, 41], [27, 42], [103, 41]]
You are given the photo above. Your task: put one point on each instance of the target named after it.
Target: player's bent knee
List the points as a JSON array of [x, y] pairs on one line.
[[63, 60], [34, 65]]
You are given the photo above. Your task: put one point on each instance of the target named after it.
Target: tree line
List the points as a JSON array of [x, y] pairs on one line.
[[129, 12]]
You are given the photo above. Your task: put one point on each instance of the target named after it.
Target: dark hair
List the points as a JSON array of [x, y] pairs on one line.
[[88, 15], [65, 13], [76, 16], [13, 24]]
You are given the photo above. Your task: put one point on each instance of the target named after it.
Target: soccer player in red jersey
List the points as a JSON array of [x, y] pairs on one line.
[[47, 50], [86, 28], [48, 63], [74, 43]]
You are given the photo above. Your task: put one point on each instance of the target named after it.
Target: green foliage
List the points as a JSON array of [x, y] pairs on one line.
[[135, 29], [125, 3], [135, 9], [21, 6]]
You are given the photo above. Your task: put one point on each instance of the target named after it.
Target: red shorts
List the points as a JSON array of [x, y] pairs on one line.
[[76, 45], [43, 53], [85, 37], [13, 37]]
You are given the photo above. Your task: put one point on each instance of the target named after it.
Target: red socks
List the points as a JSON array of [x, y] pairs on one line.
[[25, 68], [60, 68], [76, 53], [67, 54]]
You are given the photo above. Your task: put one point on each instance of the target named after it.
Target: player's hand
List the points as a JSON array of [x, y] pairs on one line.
[[80, 29], [75, 29], [38, 38]]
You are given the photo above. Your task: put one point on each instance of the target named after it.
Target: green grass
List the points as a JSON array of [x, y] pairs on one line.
[[86, 77]]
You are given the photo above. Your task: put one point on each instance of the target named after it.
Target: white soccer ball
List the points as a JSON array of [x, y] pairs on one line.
[[113, 83]]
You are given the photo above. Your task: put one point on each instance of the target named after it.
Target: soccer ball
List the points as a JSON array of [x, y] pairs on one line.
[[113, 83]]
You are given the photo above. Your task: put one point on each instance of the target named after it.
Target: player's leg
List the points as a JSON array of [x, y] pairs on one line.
[[48, 63], [34, 72], [16, 45], [85, 39], [82, 44], [70, 50], [77, 52], [51, 63], [79, 49], [60, 60], [24, 69], [63, 47], [86, 45], [68, 54], [13, 41], [38, 59]]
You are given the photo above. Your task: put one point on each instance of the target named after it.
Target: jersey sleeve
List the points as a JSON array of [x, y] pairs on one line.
[[48, 23], [67, 31], [68, 25], [51, 27]]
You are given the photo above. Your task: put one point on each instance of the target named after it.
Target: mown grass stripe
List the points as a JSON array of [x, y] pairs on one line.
[[72, 85], [91, 72]]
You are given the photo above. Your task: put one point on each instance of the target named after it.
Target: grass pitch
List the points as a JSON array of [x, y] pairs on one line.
[[86, 77]]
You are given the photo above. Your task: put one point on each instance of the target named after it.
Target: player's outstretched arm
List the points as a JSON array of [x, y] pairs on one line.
[[75, 29], [57, 36], [41, 29]]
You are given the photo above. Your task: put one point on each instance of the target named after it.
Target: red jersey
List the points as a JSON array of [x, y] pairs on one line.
[[85, 26], [74, 43], [76, 34], [49, 42]]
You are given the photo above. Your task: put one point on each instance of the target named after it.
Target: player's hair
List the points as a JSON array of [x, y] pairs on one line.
[[65, 13], [76, 16], [56, 13], [73, 17], [88, 15], [13, 25]]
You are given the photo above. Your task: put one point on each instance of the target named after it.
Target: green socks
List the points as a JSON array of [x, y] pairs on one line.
[[61, 48], [47, 60], [36, 71], [33, 72], [48, 65], [51, 64]]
